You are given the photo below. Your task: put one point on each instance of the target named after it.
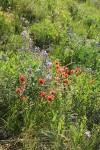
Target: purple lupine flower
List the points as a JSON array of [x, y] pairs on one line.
[[48, 77], [45, 53], [24, 34], [36, 48], [48, 64], [40, 68]]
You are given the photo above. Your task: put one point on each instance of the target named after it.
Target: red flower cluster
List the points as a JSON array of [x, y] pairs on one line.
[[23, 97], [53, 92], [57, 67], [50, 98], [43, 94], [82, 74], [41, 80], [57, 63], [72, 71], [64, 74], [78, 70], [20, 90], [22, 78], [66, 81], [23, 85], [92, 81], [60, 69], [66, 69]]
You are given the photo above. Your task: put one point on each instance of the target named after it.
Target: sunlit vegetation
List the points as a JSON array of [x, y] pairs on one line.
[[49, 74]]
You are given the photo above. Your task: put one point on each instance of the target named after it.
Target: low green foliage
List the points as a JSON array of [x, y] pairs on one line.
[[49, 74]]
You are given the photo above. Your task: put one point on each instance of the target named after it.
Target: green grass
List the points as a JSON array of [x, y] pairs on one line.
[[69, 31]]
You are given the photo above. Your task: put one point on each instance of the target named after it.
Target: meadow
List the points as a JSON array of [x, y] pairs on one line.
[[49, 75]]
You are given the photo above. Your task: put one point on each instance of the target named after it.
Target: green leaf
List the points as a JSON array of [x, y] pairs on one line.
[[54, 117]]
